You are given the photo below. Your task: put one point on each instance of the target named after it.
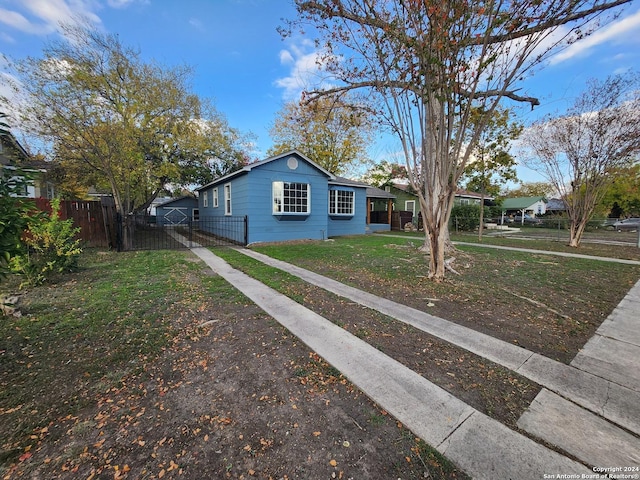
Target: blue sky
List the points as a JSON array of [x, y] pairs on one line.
[[243, 64]]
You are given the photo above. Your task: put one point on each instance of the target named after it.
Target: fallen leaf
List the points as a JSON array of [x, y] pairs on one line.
[[316, 434], [25, 456], [161, 473], [333, 463]]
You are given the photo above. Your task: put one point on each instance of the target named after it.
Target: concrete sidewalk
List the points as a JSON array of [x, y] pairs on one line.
[[481, 446], [570, 393]]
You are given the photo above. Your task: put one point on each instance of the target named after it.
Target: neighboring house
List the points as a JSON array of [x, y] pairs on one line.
[[556, 206], [289, 197], [407, 201], [13, 155], [178, 211], [465, 197], [524, 205]]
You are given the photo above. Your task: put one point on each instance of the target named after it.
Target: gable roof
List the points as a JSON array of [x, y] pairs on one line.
[[251, 166], [556, 204], [372, 192], [173, 200], [519, 203]]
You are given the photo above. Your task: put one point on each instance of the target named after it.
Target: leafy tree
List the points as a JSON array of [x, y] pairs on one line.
[[531, 189], [622, 197], [580, 152], [332, 131], [429, 65], [492, 164], [127, 125], [384, 174]]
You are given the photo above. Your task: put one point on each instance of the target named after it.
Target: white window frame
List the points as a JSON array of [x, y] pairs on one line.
[[215, 197], [412, 209], [205, 199], [280, 205], [227, 199], [335, 203]]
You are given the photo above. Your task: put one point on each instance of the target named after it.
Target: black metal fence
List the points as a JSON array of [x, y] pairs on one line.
[[144, 232]]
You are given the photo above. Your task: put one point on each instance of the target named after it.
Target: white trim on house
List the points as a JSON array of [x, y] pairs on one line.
[[227, 199]]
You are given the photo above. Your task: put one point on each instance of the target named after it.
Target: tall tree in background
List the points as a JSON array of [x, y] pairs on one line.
[[430, 64], [580, 152], [332, 131], [531, 189], [622, 198], [131, 126], [384, 173], [492, 165]]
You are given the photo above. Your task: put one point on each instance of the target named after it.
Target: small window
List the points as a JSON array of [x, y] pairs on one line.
[[410, 206], [341, 202], [291, 198], [195, 215], [215, 198], [227, 199], [205, 199]]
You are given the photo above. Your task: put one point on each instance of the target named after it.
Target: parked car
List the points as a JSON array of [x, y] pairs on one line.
[[528, 220], [609, 223], [627, 224]]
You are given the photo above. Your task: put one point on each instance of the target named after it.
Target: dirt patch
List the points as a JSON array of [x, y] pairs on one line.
[[233, 395]]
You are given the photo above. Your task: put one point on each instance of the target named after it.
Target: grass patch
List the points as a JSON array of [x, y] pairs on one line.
[[83, 334], [548, 304]]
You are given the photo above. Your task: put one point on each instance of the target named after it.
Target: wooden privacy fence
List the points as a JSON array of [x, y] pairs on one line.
[[96, 219]]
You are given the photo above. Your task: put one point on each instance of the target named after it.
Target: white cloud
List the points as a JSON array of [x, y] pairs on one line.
[[623, 29], [305, 72], [21, 23]]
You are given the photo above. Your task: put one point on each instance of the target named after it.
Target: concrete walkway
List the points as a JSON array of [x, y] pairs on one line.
[[478, 444], [590, 409]]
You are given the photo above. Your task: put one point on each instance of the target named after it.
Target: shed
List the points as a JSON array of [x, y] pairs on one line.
[[178, 211]]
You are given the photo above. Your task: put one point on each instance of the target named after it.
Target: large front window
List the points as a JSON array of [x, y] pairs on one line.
[[341, 202], [291, 198]]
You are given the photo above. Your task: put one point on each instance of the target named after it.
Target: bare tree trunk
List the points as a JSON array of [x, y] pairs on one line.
[[481, 226], [576, 229]]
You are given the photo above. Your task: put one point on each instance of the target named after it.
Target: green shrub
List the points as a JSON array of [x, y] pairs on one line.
[[51, 247], [466, 218], [13, 215]]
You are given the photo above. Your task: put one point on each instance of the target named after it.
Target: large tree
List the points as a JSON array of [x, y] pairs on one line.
[[334, 132], [580, 152], [429, 64], [129, 125]]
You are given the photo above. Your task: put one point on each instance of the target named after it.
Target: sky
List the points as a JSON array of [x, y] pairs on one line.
[[243, 64]]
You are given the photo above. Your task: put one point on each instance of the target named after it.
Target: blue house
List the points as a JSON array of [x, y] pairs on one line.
[[285, 197], [179, 211]]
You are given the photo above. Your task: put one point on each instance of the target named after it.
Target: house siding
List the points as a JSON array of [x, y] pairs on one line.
[[349, 225], [252, 196]]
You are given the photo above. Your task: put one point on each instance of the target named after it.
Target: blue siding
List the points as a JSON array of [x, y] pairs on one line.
[[176, 212], [264, 226], [252, 195], [355, 225]]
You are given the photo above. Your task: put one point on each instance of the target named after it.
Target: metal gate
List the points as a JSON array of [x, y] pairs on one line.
[[143, 232]]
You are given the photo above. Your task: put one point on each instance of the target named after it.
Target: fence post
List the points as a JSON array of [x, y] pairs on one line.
[[246, 229]]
